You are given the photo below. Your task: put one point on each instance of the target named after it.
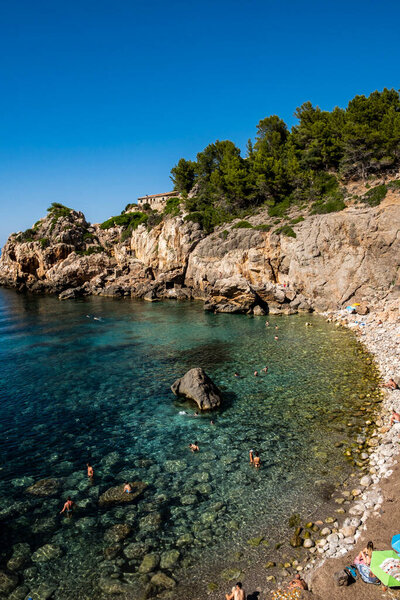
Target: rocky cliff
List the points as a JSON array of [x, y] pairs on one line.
[[332, 260]]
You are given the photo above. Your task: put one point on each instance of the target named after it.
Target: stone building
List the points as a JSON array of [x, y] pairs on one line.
[[157, 201]]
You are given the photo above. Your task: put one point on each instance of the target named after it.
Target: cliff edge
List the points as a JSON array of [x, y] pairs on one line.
[[325, 262]]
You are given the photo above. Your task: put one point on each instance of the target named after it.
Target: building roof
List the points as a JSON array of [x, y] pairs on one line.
[[158, 195]]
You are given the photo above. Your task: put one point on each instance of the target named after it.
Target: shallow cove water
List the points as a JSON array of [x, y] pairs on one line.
[[90, 381]]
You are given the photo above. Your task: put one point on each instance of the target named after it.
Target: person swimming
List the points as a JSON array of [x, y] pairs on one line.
[[194, 447], [90, 471], [256, 460]]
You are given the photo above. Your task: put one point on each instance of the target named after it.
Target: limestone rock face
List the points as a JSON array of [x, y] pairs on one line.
[[348, 256], [116, 495], [197, 386]]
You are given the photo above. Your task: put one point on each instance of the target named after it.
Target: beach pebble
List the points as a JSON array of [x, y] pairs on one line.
[[365, 481]]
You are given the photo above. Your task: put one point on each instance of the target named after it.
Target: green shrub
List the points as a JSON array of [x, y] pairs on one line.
[[375, 195], [195, 216], [328, 204], [394, 185], [58, 210], [154, 219], [26, 236], [87, 236], [242, 225], [44, 242], [224, 234], [132, 220], [286, 230], [91, 250], [296, 220], [263, 227], [172, 207], [129, 206], [280, 209]]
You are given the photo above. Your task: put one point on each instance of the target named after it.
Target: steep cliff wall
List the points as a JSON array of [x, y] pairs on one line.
[[334, 258]]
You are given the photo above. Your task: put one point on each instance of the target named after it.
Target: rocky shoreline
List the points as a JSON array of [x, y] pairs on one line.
[[379, 331]]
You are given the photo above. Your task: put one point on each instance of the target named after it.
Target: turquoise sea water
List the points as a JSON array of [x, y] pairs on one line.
[[75, 389]]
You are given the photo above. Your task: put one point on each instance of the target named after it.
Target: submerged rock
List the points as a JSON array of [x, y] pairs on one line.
[[149, 563], [116, 495], [8, 582], [163, 581], [117, 533], [197, 386], [44, 487], [47, 552]]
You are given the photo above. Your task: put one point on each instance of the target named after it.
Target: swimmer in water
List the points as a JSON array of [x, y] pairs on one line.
[[127, 488], [256, 460], [90, 471], [194, 447]]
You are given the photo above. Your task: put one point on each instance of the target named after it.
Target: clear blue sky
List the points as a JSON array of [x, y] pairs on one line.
[[99, 99]]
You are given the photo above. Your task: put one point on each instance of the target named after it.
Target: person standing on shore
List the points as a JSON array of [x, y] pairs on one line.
[[237, 593]]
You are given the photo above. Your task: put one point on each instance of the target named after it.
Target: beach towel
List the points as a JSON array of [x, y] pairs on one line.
[[366, 574]]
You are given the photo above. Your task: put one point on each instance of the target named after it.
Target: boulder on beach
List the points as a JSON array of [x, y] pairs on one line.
[[116, 495], [197, 386]]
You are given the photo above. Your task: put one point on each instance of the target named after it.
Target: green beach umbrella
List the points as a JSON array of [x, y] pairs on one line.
[[376, 561]]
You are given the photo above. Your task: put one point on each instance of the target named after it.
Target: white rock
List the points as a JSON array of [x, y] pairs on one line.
[[325, 531], [333, 537], [348, 530], [365, 481]]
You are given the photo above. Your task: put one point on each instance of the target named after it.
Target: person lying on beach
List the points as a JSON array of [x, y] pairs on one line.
[[395, 418], [297, 582], [364, 557], [391, 384], [68, 506], [194, 447], [256, 460], [127, 488], [237, 593]]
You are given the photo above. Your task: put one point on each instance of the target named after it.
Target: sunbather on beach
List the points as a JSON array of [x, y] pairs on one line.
[[395, 418], [298, 582], [364, 557], [391, 384]]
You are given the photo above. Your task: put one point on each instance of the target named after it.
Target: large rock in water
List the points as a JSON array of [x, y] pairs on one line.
[[196, 385], [116, 495], [44, 487]]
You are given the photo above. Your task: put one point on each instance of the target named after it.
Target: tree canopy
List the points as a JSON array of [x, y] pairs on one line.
[[285, 167]]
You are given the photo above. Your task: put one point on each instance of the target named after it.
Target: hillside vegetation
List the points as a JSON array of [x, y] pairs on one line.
[[304, 167]]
